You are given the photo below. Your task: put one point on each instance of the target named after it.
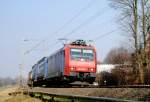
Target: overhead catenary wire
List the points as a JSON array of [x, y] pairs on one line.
[[104, 23], [89, 20], [75, 16], [93, 17], [106, 34], [64, 25]]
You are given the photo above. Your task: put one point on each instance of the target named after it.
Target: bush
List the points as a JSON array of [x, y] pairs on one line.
[[106, 78]]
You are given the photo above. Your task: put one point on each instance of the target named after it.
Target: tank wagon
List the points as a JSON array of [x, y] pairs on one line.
[[73, 62]]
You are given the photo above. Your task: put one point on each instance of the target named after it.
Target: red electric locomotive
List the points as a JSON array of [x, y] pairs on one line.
[[80, 62]]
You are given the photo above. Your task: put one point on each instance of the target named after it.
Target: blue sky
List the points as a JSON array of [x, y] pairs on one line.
[[40, 19]]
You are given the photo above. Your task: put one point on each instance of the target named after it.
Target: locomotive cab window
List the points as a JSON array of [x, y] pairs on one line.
[[75, 54], [85, 54]]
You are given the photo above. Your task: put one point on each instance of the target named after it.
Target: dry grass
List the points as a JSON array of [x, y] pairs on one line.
[[22, 98], [4, 93], [4, 97]]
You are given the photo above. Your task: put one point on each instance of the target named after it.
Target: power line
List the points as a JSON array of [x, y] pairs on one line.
[[75, 16], [90, 19], [28, 51], [109, 33], [96, 38], [93, 17], [104, 23], [64, 25], [106, 34]]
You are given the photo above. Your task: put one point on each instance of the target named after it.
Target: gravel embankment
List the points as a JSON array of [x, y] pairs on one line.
[[121, 93]]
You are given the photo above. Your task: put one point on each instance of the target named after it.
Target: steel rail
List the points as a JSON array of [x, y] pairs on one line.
[[45, 96], [124, 86]]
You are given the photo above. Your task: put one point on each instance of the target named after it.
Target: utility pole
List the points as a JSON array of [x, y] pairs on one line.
[[21, 65], [20, 76]]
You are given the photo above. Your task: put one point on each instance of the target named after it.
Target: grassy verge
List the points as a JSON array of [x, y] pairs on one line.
[[22, 98]]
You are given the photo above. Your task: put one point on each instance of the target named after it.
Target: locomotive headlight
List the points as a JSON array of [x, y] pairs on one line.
[[92, 69], [72, 68]]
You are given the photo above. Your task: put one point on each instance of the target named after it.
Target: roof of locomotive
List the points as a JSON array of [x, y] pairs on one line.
[[79, 46]]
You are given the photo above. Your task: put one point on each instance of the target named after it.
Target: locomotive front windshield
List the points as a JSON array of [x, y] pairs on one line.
[[85, 54]]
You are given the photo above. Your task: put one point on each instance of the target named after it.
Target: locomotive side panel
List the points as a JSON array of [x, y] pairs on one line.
[[66, 58]]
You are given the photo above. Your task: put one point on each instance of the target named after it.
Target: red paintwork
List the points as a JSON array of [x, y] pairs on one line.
[[79, 66], [66, 69]]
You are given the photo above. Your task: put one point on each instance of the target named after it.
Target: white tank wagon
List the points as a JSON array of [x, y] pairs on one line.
[[105, 67]]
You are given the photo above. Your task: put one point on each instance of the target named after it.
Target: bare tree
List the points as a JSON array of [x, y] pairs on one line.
[[129, 14], [118, 56], [145, 17], [136, 15]]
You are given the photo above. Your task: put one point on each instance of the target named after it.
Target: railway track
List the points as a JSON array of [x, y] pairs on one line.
[[108, 86], [79, 84], [86, 94], [45, 96], [126, 86], [84, 85]]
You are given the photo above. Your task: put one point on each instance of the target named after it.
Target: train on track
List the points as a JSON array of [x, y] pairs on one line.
[[75, 61]]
